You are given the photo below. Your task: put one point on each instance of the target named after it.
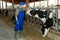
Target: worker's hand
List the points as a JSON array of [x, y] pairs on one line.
[[17, 22]]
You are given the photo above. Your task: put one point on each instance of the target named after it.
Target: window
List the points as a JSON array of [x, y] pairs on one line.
[[52, 2], [31, 4], [43, 3], [37, 4], [59, 2], [9, 5]]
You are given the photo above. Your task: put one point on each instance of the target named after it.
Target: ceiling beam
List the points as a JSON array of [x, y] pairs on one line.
[[17, 1]]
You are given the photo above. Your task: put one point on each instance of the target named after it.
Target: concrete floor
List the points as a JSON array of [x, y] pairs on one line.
[[7, 31]]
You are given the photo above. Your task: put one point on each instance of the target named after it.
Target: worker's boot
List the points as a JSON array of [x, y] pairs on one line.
[[15, 36], [20, 33]]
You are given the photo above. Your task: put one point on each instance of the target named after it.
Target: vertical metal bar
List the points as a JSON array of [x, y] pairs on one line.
[[13, 4], [27, 1], [56, 11], [57, 16], [2, 5], [6, 3], [27, 16], [53, 18], [40, 4], [57, 2], [47, 3], [34, 4]]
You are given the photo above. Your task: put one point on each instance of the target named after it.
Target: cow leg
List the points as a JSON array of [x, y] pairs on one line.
[[46, 32], [42, 30]]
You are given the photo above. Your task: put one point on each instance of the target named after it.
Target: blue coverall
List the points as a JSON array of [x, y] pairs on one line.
[[20, 22]]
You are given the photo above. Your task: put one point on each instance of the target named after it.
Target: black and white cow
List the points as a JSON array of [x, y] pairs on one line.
[[49, 22], [45, 17]]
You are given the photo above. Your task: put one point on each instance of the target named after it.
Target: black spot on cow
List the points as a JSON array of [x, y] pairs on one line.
[[33, 12]]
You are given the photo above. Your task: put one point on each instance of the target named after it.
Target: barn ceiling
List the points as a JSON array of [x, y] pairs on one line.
[[17, 1]]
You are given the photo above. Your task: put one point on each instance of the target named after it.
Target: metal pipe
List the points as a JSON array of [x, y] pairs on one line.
[[40, 4], [34, 4], [57, 14], [47, 3], [27, 1], [2, 4], [13, 4], [6, 3]]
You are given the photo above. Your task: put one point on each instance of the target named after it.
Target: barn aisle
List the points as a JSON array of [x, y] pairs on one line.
[[7, 31]]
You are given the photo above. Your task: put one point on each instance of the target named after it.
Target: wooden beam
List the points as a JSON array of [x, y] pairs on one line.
[[17, 1]]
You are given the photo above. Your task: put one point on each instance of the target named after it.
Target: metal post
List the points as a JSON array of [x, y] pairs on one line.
[[34, 4], [57, 14], [47, 3], [2, 5], [6, 3], [13, 4], [53, 18], [27, 17], [56, 11], [40, 4]]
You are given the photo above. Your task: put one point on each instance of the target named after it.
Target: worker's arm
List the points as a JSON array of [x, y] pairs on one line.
[[16, 14], [16, 18]]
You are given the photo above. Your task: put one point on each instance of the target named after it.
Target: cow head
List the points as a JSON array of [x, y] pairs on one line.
[[33, 12]]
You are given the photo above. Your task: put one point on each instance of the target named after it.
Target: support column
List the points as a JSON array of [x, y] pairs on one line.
[[34, 4], [27, 1], [6, 4], [47, 3], [2, 4], [57, 15], [27, 17], [40, 4], [57, 2], [13, 4]]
